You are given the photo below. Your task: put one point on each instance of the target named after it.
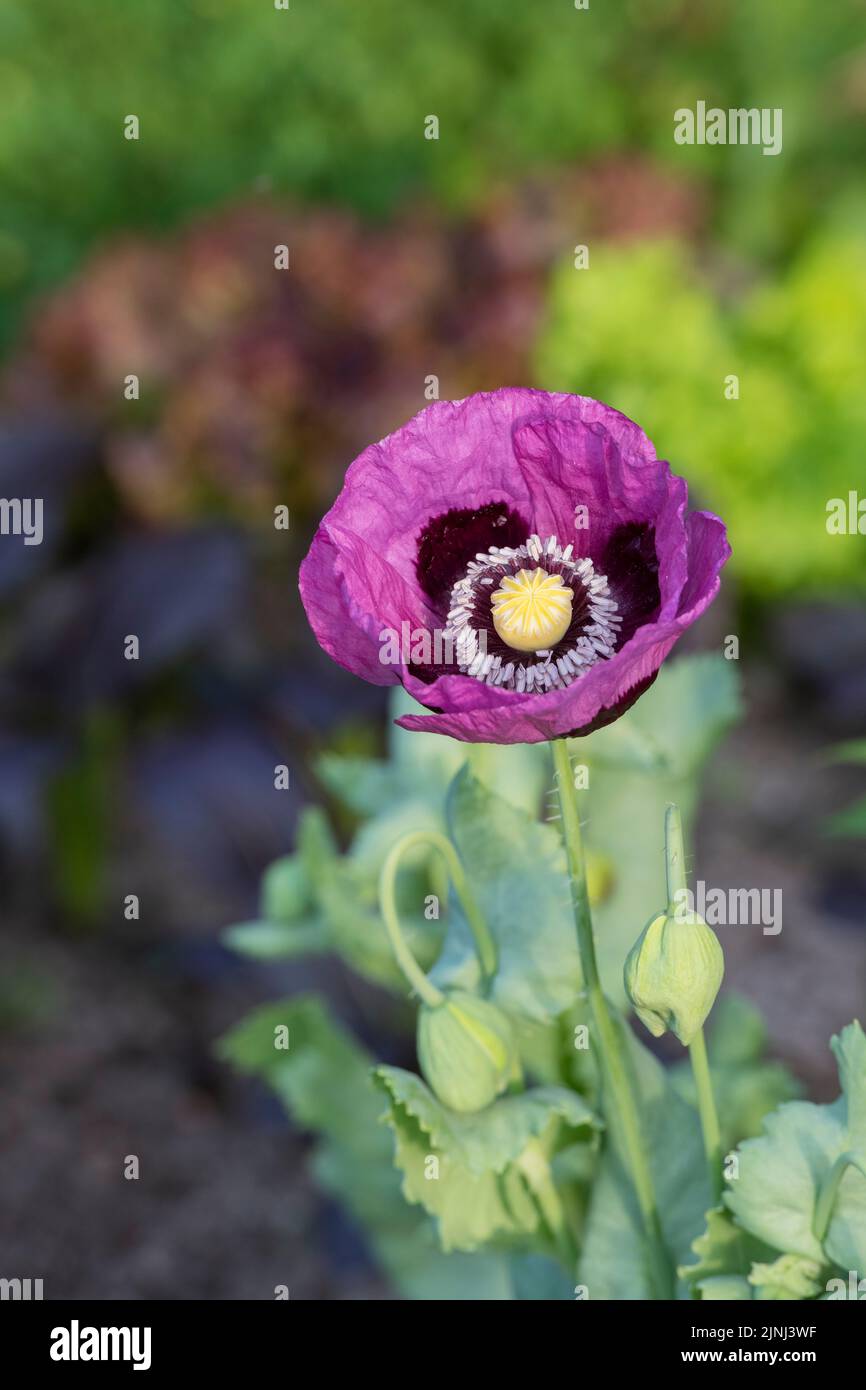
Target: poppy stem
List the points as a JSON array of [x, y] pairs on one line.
[[707, 1112], [485, 944], [612, 1043], [675, 874], [675, 859]]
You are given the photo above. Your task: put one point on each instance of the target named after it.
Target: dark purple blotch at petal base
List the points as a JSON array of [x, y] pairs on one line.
[[450, 541], [631, 564], [491, 470]]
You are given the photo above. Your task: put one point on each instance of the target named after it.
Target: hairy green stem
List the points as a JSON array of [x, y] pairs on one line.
[[485, 945], [675, 875], [423, 987], [611, 1040], [675, 859], [707, 1112]]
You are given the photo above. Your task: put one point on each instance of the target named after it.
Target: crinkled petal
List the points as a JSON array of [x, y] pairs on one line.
[[579, 451], [342, 629]]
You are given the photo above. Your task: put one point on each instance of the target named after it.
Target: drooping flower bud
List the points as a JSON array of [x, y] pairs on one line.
[[673, 973], [674, 970], [466, 1049]]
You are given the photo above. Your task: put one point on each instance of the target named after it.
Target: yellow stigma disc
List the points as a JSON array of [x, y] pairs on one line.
[[531, 610]]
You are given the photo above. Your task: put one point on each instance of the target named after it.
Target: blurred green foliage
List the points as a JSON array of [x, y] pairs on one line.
[[80, 810], [655, 332], [328, 98], [851, 821]]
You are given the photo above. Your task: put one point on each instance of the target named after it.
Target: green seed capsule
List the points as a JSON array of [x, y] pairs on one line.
[[466, 1050], [673, 973]]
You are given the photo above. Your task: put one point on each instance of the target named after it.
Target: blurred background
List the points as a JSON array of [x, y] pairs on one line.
[[409, 257]]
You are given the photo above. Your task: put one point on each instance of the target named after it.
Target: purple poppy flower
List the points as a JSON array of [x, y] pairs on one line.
[[522, 562]]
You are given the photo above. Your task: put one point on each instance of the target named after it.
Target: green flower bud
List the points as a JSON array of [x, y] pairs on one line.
[[673, 973], [466, 1050]]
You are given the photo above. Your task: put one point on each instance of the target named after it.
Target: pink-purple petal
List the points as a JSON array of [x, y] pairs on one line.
[[542, 455]]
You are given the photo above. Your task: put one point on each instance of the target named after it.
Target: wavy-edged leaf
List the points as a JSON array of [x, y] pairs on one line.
[[490, 1139], [323, 1074], [724, 1252], [324, 1080], [788, 1278], [782, 1173], [473, 1173]]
